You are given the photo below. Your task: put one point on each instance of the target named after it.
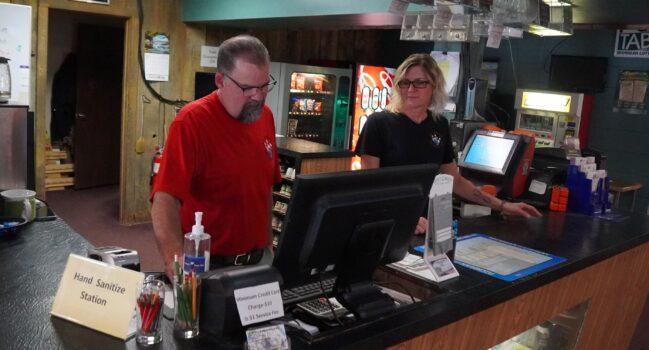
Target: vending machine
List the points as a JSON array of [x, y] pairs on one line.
[[311, 103], [372, 94], [553, 116]]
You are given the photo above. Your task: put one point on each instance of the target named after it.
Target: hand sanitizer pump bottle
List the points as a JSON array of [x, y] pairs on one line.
[[197, 248]]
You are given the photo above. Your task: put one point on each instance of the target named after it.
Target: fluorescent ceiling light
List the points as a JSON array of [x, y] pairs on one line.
[[552, 21], [557, 3], [543, 31]]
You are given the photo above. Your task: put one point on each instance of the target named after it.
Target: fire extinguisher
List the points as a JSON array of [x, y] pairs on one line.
[[155, 164]]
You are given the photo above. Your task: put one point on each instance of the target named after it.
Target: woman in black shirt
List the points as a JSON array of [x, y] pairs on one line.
[[412, 131]]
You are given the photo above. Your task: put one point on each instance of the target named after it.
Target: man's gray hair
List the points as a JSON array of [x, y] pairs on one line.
[[245, 47]]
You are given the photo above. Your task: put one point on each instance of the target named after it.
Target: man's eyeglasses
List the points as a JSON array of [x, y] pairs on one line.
[[417, 84], [251, 90]]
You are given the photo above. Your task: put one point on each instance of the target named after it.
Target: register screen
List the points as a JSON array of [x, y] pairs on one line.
[[489, 151]]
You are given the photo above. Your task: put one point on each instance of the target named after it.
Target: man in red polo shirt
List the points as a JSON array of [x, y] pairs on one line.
[[220, 158]]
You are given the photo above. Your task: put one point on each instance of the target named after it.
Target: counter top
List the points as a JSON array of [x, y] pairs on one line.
[[41, 250], [304, 149], [31, 265], [583, 240]]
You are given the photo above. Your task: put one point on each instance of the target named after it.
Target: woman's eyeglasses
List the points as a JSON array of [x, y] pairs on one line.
[[417, 84]]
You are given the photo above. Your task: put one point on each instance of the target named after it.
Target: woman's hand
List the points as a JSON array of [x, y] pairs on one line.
[[421, 226], [519, 209]]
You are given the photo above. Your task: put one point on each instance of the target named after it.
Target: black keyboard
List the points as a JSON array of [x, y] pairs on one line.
[[307, 291]]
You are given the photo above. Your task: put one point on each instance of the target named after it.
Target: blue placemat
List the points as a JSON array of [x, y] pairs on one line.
[[498, 258]]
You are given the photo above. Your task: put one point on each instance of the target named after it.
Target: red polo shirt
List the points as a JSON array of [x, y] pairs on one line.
[[225, 168]]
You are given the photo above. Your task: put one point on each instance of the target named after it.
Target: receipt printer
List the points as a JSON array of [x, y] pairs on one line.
[[218, 310], [116, 256]]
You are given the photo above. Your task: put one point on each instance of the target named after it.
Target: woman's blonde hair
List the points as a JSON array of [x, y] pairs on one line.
[[428, 64]]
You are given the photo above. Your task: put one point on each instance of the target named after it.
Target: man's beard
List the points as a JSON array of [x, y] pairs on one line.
[[251, 111]]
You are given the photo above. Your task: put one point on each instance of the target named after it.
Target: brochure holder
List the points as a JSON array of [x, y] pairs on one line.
[[439, 233]]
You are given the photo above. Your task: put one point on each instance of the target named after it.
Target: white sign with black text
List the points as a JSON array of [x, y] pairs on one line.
[[93, 294], [632, 43], [209, 54], [259, 303]]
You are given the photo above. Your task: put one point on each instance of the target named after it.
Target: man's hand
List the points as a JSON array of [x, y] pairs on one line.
[[170, 270], [421, 226], [520, 209], [166, 229]]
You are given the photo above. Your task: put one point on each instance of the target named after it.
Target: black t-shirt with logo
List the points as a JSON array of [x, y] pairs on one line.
[[397, 140]]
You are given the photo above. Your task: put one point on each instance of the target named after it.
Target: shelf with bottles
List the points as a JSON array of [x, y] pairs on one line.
[[305, 131], [307, 106], [287, 170], [280, 208], [307, 135], [314, 92], [306, 114], [275, 238], [277, 223], [288, 177], [297, 156], [285, 191], [281, 195]]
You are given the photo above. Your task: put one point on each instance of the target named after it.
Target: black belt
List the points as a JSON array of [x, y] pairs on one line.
[[250, 258]]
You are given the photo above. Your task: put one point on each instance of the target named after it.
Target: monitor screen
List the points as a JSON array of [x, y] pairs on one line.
[[578, 73], [348, 223], [489, 152], [203, 84]]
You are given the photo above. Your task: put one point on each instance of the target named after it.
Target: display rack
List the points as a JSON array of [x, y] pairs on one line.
[[304, 157]]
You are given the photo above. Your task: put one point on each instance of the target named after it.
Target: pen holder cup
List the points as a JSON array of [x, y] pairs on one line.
[[186, 305], [150, 302]]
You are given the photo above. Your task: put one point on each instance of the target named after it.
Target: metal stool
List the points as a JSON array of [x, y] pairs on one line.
[[619, 187]]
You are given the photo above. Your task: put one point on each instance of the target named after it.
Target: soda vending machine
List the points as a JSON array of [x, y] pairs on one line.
[[311, 103], [373, 92]]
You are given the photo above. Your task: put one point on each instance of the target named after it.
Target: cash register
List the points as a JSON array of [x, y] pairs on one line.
[[498, 158]]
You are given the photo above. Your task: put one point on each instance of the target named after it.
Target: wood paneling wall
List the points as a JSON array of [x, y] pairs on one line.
[[324, 165], [159, 15], [300, 46], [293, 46], [616, 289]]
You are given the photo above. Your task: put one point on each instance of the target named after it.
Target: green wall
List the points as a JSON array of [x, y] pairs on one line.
[[623, 138], [219, 10]]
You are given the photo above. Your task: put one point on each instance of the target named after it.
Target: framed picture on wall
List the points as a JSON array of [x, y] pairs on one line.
[[631, 97]]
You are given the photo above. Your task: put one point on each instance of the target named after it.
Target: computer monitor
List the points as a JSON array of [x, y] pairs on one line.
[[578, 73], [348, 223], [461, 131], [490, 151], [203, 84]]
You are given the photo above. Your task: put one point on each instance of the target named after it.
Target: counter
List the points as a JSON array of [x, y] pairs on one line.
[[310, 157], [292, 147], [607, 266]]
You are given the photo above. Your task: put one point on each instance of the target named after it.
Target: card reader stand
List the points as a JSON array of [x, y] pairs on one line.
[[219, 317], [354, 287]]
